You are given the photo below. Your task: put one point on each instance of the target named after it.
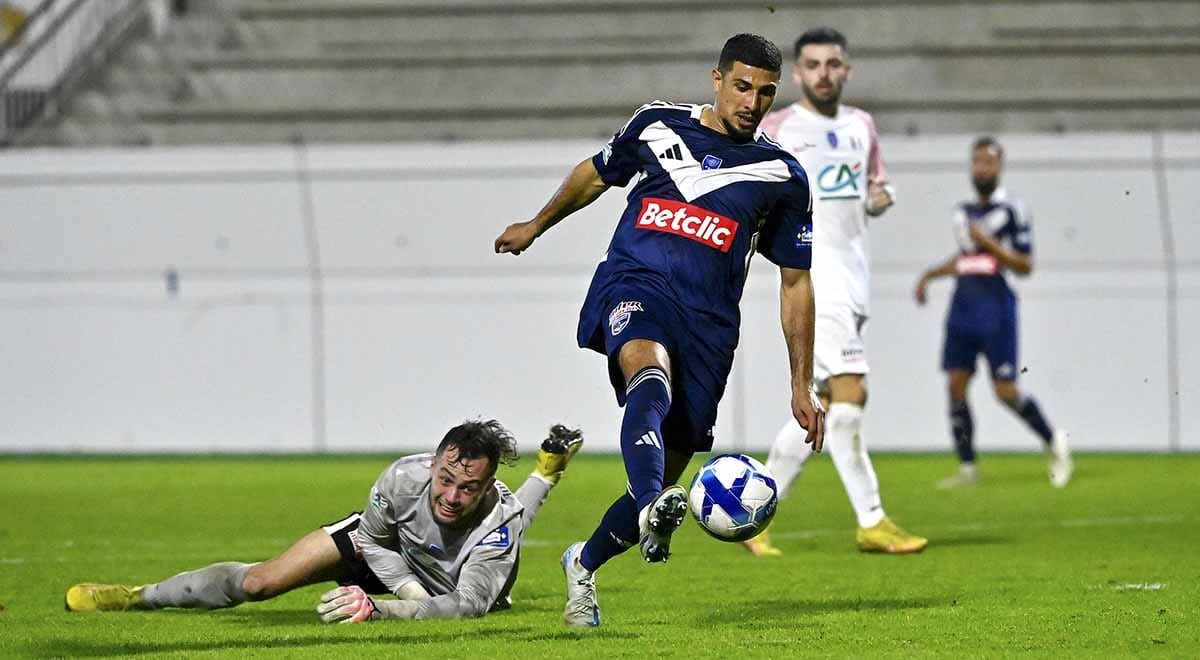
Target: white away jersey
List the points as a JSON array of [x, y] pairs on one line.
[[841, 155]]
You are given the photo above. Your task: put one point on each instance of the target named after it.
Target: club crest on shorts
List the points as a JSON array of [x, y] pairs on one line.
[[619, 317], [804, 237]]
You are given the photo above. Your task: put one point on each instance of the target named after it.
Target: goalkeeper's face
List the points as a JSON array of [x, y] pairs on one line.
[[458, 485], [821, 70], [744, 95]]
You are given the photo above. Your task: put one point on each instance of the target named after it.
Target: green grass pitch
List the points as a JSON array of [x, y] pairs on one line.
[[1107, 567]]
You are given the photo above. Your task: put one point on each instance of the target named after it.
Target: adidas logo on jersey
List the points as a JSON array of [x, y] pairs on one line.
[[650, 439], [672, 154], [682, 219]]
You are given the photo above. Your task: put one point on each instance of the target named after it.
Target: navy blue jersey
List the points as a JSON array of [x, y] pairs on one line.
[[703, 205], [982, 297]]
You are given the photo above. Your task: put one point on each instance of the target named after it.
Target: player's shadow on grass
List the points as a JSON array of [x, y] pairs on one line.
[[74, 648], [248, 614], [776, 609], [261, 617], [977, 539]]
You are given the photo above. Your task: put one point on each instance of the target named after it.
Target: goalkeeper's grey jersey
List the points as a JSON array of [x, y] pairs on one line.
[[467, 569]]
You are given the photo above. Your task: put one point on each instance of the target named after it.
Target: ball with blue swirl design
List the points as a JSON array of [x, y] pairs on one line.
[[733, 497]]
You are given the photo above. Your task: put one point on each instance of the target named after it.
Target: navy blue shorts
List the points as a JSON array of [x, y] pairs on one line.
[[699, 369], [998, 343]]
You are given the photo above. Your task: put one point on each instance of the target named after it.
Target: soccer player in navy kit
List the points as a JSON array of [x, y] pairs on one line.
[[994, 235], [663, 304]]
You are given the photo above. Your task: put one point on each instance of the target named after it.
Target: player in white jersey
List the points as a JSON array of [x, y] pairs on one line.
[[439, 532], [838, 146]]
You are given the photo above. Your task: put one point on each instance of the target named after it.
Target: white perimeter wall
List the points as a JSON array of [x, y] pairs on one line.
[[346, 298]]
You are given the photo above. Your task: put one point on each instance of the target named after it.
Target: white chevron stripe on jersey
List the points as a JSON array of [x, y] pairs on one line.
[[694, 181], [690, 107], [769, 140]]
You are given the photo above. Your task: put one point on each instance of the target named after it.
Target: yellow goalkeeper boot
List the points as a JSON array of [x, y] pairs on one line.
[[90, 597], [556, 451], [888, 537], [760, 546]]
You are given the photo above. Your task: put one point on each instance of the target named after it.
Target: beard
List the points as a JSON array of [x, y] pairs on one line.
[[828, 102], [985, 187]]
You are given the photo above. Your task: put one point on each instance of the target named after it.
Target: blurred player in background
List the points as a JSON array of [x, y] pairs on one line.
[[439, 532], [839, 148], [663, 304], [994, 236]]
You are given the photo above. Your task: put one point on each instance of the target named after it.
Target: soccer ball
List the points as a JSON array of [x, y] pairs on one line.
[[733, 497]]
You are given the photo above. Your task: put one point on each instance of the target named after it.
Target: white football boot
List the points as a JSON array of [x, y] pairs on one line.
[[658, 520], [1061, 465], [582, 610]]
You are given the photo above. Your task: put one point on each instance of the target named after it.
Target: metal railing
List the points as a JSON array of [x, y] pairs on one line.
[[57, 45]]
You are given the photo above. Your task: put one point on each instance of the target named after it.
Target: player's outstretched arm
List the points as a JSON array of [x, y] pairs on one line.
[[377, 538], [944, 269], [480, 582], [798, 316], [1022, 264], [353, 605], [581, 187]]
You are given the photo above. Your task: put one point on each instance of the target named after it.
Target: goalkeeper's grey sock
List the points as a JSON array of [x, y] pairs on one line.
[[211, 587], [532, 494]]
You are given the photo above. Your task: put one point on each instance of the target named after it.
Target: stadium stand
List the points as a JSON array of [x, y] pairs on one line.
[[272, 71]]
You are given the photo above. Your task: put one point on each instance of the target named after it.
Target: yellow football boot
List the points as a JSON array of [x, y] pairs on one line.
[[760, 546], [90, 597], [890, 538], [556, 451]]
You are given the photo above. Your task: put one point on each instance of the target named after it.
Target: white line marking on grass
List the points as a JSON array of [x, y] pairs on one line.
[[12, 560], [1132, 586], [537, 543]]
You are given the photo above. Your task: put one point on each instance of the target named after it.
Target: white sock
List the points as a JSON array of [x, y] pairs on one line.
[[788, 455], [843, 441]]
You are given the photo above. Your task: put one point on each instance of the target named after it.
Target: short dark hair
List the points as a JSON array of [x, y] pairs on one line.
[[821, 35], [481, 439], [751, 50], [987, 141]]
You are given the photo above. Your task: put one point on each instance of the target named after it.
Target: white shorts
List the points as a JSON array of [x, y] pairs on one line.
[[838, 347]]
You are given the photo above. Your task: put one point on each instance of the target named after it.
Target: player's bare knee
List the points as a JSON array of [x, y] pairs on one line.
[[848, 388], [259, 584], [856, 392], [637, 354], [1007, 393]]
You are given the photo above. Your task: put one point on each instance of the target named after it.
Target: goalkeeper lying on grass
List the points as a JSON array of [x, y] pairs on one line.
[[439, 532]]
